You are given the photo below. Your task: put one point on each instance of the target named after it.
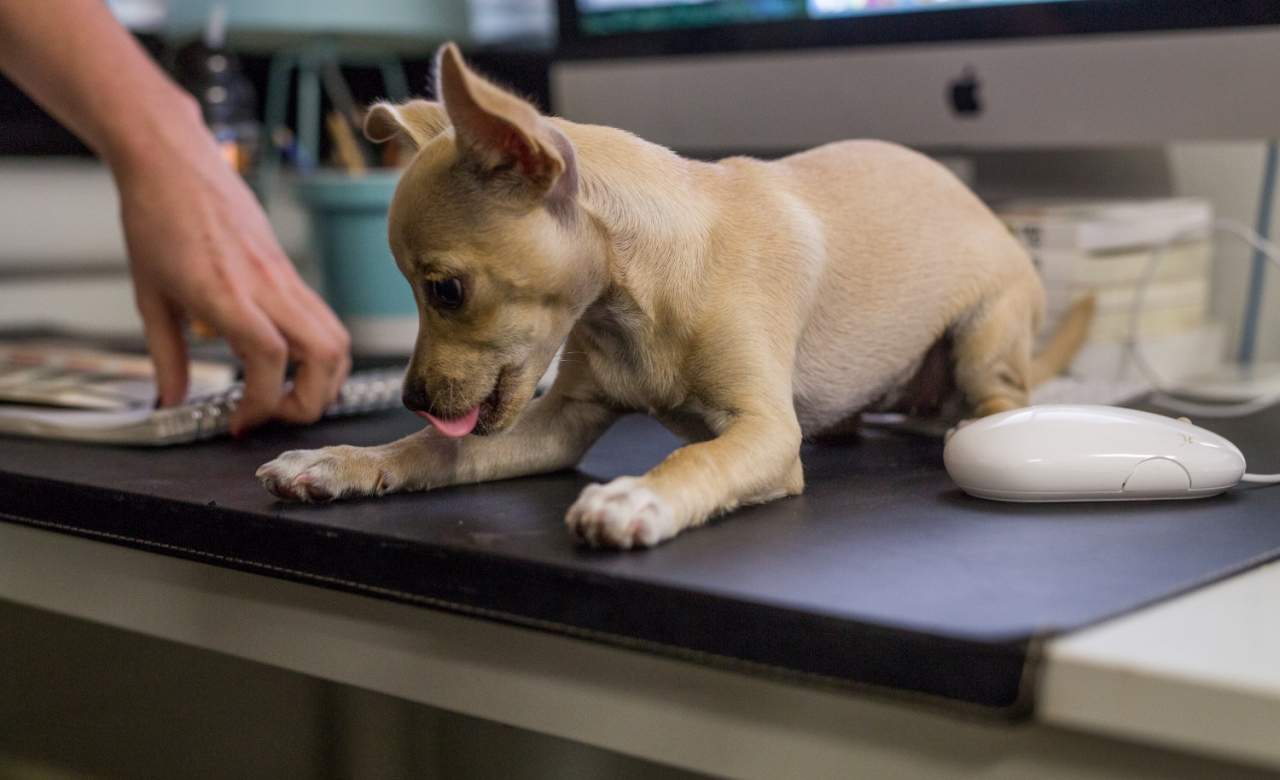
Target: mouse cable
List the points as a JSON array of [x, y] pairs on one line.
[[1164, 395]]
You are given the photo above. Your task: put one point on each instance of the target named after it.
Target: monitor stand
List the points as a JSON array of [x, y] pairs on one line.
[[998, 176]]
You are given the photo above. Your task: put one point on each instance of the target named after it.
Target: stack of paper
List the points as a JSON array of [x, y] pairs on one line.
[[1107, 248]]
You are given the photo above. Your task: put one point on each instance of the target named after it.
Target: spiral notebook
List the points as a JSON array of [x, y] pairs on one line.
[[57, 390]]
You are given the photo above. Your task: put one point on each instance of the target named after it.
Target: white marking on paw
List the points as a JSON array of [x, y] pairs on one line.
[[322, 475], [622, 514]]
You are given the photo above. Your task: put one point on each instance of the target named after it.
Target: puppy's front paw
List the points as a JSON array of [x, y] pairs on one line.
[[324, 475], [622, 514]]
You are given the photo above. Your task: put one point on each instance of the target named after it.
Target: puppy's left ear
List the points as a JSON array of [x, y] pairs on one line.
[[418, 120], [500, 130]]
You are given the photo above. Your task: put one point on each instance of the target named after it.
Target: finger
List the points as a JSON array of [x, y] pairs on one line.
[[338, 337], [321, 356], [263, 352], [323, 310], [300, 303], [317, 381], [168, 348], [323, 314], [313, 391]]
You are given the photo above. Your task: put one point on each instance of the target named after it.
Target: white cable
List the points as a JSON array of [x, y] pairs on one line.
[[1163, 395]]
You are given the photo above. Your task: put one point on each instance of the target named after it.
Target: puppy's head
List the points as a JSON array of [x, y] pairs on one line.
[[486, 227]]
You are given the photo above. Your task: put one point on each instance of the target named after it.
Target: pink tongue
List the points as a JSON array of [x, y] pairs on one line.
[[458, 426]]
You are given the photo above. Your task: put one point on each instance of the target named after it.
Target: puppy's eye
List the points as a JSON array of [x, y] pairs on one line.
[[445, 293]]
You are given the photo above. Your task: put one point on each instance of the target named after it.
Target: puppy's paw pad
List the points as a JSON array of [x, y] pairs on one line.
[[621, 514], [318, 475]]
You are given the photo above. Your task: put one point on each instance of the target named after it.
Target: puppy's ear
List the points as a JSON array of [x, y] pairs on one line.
[[418, 120], [501, 131]]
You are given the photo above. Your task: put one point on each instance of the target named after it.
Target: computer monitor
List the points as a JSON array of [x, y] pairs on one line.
[[718, 76]]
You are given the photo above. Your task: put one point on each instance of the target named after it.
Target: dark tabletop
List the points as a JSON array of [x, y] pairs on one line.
[[882, 574]]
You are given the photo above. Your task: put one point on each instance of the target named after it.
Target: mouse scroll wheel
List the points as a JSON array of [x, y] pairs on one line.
[[1157, 476]]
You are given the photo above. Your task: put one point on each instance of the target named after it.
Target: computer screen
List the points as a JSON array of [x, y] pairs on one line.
[[609, 17], [755, 76], [608, 29]]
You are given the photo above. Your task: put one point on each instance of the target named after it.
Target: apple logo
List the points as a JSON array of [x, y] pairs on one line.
[[965, 98]]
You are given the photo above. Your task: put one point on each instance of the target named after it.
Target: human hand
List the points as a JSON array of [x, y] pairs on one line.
[[201, 247]]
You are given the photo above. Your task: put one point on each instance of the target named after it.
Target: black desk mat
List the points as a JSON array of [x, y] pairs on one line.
[[882, 575]]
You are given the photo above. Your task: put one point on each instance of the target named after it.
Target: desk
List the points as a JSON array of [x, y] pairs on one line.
[[683, 710], [674, 712]]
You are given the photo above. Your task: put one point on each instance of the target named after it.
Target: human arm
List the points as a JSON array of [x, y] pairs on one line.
[[199, 244]]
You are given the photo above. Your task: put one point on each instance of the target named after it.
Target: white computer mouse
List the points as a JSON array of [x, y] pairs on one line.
[[1089, 453]]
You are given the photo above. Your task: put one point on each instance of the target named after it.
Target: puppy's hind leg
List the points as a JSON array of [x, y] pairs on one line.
[[992, 353]]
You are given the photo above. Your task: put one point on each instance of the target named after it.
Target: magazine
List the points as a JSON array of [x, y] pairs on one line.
[[64, 390]]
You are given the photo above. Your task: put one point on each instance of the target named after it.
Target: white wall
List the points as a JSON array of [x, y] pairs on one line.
[[62, 257], [62, 253]]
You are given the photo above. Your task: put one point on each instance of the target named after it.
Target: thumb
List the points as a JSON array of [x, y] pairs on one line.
[[168, 348]]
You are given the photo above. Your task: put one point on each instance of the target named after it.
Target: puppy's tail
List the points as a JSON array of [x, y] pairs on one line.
[[1065, 342]]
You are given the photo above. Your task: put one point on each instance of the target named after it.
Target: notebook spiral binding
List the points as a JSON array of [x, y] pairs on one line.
[[210, 416]]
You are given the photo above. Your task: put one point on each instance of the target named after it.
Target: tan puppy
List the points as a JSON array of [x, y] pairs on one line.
[[745, 304]]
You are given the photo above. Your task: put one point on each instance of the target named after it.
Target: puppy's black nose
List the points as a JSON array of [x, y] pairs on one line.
[[414, 396]]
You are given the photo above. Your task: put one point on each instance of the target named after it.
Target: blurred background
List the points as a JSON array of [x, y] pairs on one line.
[[272, 78], [67, 265]]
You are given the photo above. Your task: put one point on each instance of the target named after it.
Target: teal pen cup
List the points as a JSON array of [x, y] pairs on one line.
[[361, 281]]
